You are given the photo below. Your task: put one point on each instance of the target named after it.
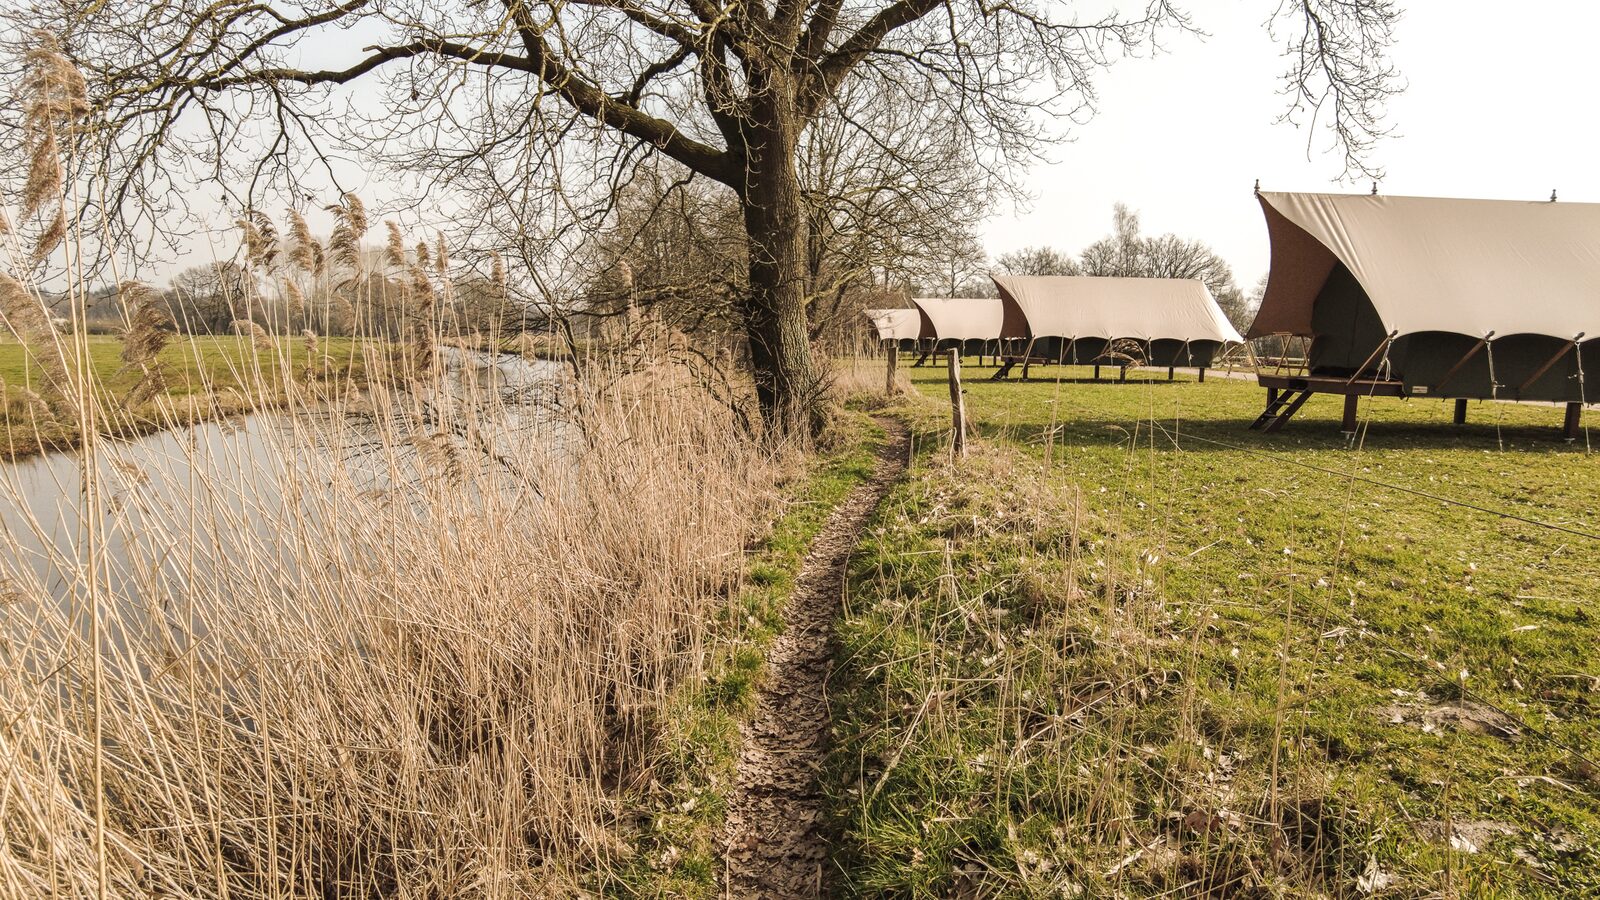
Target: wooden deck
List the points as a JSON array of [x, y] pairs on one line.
[[1332, 384], [1287, 393]]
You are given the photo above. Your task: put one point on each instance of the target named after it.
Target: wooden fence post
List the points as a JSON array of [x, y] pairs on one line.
[[888, 376], [958, 408]]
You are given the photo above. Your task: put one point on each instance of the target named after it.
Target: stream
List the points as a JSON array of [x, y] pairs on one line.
[[172, 501]]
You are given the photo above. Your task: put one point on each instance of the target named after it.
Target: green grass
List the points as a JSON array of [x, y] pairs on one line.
[[228, 373], [1106, 656], [678, 819]]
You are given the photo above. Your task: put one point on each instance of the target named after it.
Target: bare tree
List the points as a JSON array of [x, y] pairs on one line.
[[956, 268], [1338, 73], [1121, 253], [892, 188], [675, 249], [1037, 261], [1127, 252], [203, 299], [522, 98]]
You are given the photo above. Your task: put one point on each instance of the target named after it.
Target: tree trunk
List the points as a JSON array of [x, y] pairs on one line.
[[787, 386]]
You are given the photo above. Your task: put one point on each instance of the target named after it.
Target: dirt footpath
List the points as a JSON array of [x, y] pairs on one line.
[[771, 844]]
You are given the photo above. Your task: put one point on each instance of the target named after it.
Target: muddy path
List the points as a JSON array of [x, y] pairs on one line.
[[772, 844]]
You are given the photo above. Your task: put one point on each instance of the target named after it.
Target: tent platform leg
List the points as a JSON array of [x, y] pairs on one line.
[[1571, 428], [1350, 410], [1460, 418]]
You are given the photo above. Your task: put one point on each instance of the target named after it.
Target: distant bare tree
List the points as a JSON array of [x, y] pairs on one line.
[[957, 268], [893, 187], [1037, 261], [675, 249], [1127, 252], [539, 110], [1120, 254], [203, 299]]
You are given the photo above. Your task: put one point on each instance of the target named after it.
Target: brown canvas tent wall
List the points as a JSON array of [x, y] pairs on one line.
[[1430, 293], [1071, 318]]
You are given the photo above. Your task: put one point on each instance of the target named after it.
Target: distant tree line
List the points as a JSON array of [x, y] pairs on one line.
[[219, 297], [676, 252], [1129, 253]]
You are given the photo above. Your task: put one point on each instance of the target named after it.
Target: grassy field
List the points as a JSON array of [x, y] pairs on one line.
[[1131, 648], [201, 376]]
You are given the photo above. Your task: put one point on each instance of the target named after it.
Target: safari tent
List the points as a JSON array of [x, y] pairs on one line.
[[901, 326], [1430, 297], [1115, 321], [975, 324]]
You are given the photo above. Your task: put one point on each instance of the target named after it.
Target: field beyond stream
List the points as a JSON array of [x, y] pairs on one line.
[[1131, 648], [202, 377]]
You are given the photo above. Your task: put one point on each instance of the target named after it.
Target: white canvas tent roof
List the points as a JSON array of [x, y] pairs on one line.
[[896, 324], [1433, 264], [962, 318], [1080, 306]]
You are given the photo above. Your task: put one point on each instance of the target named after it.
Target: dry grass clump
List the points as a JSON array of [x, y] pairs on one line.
[[413, 649]]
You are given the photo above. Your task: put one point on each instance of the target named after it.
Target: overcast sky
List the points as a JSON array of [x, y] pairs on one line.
[[1500, 102]]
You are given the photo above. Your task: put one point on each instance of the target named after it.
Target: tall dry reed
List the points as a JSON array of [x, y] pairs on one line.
[[407, 635], [410, 644]]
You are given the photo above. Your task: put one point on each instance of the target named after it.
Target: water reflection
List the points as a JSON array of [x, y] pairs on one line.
[[176, 506]]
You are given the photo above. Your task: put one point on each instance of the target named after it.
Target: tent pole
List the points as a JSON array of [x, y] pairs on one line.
[[1565, 349], [1377, 350], [1574, 418], [1460, 417], [888, 375], [1465, 358]]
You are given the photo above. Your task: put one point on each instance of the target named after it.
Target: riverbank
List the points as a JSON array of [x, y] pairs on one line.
[[386, 613], [202, 378]]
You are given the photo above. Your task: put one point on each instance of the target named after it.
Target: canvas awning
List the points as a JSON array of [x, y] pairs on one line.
[[896, 324], [1467, 267], [1147, 309], [961, 318]]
